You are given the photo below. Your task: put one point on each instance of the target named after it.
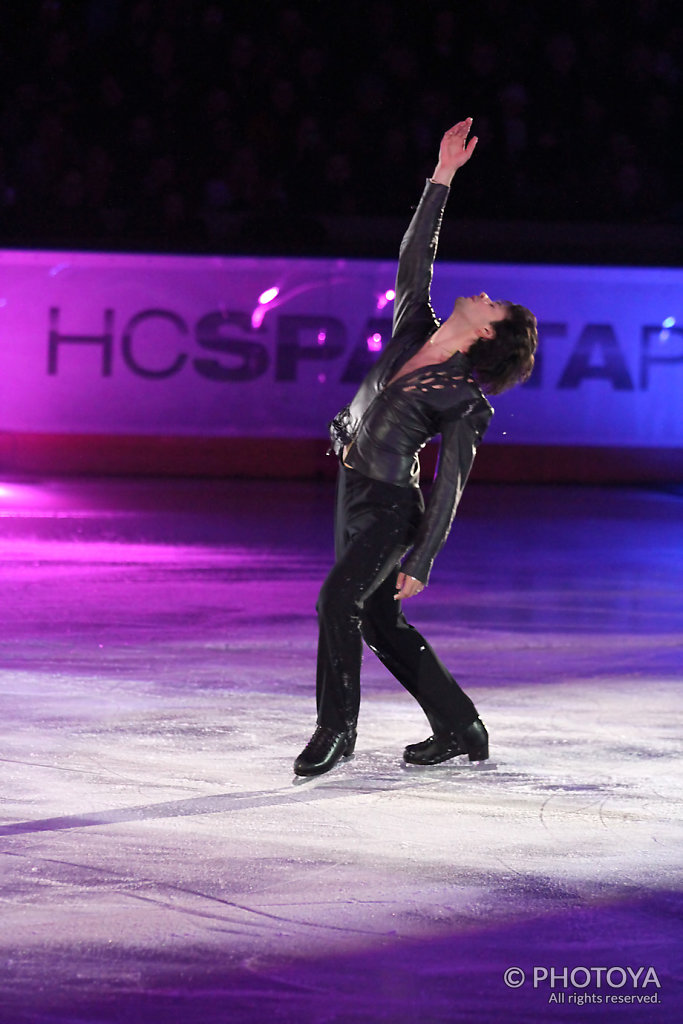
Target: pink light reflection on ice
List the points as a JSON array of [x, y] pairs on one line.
[[19, 499], [374, 343], [388, 296]]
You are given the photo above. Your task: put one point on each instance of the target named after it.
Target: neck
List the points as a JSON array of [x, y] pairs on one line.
[[454, 335]]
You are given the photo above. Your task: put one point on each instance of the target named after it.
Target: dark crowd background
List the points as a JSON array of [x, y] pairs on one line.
[[241, 125]]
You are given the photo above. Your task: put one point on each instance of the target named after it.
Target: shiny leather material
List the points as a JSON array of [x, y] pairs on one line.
[[473, 741], [387, 424], [324, 749]]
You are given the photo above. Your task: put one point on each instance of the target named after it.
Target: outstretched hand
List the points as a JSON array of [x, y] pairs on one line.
[[454, 151], [407, 586]]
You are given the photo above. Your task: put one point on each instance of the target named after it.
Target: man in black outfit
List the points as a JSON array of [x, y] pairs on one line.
[[429, 380]]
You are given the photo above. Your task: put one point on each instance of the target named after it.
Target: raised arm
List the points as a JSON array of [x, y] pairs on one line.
[[418, 247]]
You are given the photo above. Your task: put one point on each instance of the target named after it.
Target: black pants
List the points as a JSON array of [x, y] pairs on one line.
[[374, 527]]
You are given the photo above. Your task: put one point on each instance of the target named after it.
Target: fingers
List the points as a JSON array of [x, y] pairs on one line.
[[456, 149], [461, 128], [407, 586], [470, 147]]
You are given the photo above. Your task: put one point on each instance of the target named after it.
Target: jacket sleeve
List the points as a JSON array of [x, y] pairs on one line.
[[417, 254], [460, 439]]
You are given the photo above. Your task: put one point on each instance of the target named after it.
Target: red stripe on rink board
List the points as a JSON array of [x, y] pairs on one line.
[[282, 458]]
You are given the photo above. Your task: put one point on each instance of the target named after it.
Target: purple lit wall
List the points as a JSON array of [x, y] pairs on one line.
[[271, 348]]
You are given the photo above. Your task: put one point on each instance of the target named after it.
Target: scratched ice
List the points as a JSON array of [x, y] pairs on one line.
[[160, 862]]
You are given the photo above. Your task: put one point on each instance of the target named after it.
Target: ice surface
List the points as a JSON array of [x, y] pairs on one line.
[[162, 864]]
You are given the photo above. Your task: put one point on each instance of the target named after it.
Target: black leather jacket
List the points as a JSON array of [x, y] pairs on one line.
[[389, 423]]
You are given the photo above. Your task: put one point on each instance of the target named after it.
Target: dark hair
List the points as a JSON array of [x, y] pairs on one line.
[[507, 359]]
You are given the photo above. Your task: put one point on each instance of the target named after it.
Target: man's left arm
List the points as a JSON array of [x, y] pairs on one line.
[[460, 439]]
